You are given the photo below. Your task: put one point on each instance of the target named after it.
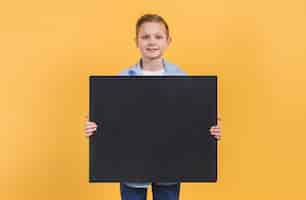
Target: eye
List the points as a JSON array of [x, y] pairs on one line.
[[159, 37], [145, 37]]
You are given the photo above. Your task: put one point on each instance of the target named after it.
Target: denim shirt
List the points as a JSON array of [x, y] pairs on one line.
[[135, 70]]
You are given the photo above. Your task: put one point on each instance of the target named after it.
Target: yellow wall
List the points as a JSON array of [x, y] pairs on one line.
[[49, 48]]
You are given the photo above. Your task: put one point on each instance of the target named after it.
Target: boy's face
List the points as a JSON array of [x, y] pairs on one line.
[[152, 40]]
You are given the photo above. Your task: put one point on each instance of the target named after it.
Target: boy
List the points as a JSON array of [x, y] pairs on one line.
[[152, 39]]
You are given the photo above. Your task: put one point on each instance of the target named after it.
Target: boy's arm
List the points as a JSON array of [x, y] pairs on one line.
[[123, 72]]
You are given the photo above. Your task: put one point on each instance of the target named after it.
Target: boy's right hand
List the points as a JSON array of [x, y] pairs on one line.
[[90, 127]]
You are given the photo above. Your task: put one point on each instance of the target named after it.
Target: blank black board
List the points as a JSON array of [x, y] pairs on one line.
[[153, 128]]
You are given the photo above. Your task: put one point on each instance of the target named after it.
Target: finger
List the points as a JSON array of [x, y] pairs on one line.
[[215, 133], [216, 129], [90, 127], [219, 118], [212, 127], [217, 137], [91, 124], [90, 130], [89, 134]]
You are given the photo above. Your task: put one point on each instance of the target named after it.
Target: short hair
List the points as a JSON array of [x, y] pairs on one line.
[[151, 18]]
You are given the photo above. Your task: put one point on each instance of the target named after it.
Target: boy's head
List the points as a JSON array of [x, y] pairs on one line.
[[152, 36]]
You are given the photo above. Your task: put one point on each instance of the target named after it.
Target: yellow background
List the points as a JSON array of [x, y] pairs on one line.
[[49, 48]]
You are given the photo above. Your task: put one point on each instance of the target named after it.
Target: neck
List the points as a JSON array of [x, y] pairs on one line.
[[152, 65]]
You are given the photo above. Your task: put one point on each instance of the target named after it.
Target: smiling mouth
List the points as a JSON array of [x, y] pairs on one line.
[[151, 49]]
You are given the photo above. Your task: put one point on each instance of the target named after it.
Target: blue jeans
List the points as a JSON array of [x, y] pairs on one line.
[[160, 192]]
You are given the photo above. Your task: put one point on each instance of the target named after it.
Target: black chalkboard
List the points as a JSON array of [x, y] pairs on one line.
[[153, 128]]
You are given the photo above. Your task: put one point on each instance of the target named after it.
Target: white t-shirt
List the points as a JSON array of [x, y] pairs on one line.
[[152, 73]]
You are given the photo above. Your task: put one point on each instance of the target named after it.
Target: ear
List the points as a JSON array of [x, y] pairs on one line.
[[136, 42], [169, 40]]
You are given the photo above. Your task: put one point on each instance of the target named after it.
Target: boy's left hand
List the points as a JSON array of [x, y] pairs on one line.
[[216, 130]]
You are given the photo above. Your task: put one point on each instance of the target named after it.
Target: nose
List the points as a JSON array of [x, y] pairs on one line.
[[151, 41]]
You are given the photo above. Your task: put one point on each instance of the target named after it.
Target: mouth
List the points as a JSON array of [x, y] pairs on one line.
[[152, 49]]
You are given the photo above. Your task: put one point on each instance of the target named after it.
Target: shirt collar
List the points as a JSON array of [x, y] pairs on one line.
[[138, 67], [170, 69]]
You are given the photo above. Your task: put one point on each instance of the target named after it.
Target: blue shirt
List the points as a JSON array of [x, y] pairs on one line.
[[136, 70]]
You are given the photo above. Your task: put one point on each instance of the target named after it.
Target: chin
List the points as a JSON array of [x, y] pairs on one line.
[[153, 57]]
